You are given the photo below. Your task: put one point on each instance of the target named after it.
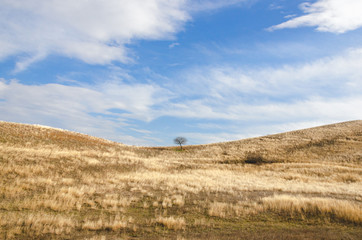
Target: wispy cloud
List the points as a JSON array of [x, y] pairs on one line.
[[172, 45], [24, 62], [334, 16], [85, 109], [330, 76], [322, 91]]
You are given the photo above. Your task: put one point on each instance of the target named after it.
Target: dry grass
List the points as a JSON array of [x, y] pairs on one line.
[[36, 224], [230, 210], [289, 206], [332, 209], [175, 223], [55, 183], [114, 223]]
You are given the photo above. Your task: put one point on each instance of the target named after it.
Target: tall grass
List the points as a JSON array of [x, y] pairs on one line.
[[55, 183], [175, 223], [298, 206]]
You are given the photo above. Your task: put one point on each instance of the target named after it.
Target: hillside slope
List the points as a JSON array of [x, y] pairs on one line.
[[55, 184], [335, 142]]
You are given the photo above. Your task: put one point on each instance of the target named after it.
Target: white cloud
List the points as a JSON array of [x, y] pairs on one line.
[[337, 75], [334, 16], [323, 91], [343, 108], [83, 109], [93, 31]]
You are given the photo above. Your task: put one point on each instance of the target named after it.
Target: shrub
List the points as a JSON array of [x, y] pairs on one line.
[[255, 158]]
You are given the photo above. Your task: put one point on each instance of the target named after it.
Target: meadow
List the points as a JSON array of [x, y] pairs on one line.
[[305, 184]]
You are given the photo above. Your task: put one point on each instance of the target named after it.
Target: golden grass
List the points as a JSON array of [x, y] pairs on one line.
[[58, 183], [114, 223], [175, 223], [36, 224], [290, 206], [332, 209]]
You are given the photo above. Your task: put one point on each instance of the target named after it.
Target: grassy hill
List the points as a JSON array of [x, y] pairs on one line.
[[305, 184]]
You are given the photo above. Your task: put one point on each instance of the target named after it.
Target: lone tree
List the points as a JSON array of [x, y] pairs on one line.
[[180, 141]]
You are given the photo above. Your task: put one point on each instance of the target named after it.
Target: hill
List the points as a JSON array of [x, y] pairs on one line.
[[304, 184]]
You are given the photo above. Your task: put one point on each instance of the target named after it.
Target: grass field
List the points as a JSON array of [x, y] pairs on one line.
[[304, 184]]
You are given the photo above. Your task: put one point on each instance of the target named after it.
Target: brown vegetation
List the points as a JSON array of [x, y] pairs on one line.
[[296, 185]]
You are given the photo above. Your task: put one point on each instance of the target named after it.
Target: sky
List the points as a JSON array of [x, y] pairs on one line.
[[143, 72]]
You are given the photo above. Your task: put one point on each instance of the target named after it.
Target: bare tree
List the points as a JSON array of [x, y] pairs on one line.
[[180, 141]]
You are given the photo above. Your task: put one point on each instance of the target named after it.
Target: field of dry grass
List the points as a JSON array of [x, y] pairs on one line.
[[304, 184]]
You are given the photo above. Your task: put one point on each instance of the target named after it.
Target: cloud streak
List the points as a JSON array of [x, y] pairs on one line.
[[333, 16], [328, 77], [323, 91], [97, 110]]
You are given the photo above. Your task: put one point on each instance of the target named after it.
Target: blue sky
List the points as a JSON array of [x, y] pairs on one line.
[[144, 72]]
